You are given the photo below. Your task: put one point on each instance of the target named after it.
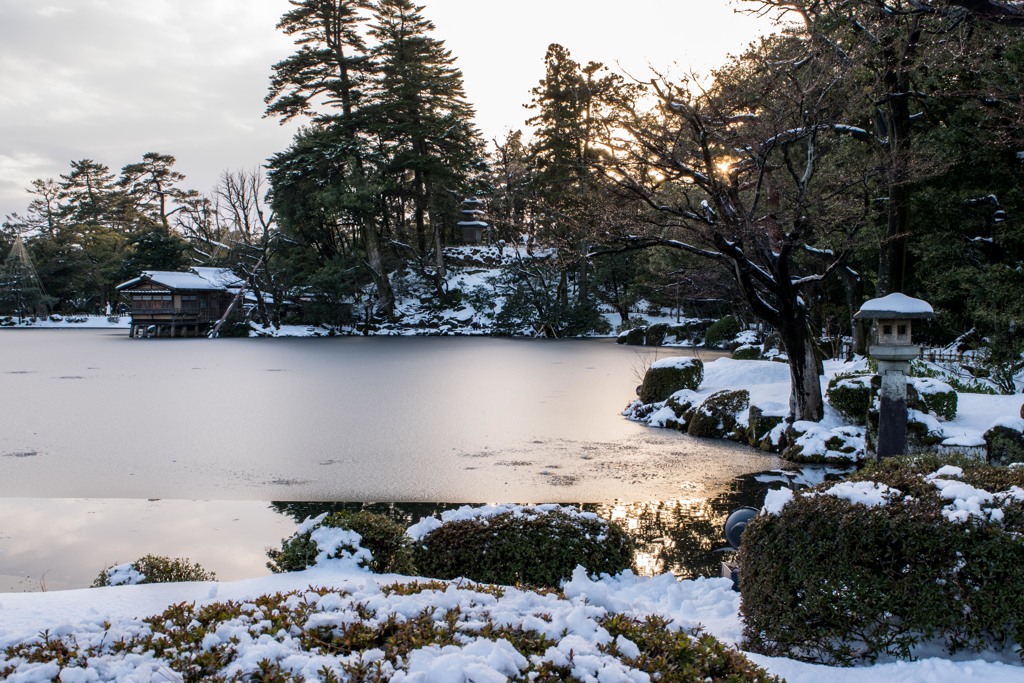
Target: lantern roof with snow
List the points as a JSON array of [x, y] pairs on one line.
[[895, 306]]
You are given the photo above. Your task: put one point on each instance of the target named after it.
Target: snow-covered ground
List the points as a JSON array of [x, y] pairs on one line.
[[74, 322], [92, 615], [769, 386]]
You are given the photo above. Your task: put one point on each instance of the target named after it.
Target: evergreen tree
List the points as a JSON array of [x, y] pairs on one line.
[[151, 185], [324, 80], [430, 146]]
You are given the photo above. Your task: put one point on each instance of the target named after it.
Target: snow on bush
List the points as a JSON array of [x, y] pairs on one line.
[[912, 552]]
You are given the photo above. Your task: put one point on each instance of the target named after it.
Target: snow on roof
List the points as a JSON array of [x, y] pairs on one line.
[[200, 278], [895, 305], [224, 277], [476, 224], [173, 280]]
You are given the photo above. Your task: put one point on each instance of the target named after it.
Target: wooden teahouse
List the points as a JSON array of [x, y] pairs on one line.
[[170, 304]]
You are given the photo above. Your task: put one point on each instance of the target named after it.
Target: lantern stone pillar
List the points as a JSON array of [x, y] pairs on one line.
[[892, 347]]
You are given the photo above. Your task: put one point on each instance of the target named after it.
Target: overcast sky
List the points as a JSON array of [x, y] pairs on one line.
[[110, 80]]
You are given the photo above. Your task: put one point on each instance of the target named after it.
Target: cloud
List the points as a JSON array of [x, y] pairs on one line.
[[113, 79]]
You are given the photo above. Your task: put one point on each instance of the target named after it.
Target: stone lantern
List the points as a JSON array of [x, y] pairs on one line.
[[893, 348]]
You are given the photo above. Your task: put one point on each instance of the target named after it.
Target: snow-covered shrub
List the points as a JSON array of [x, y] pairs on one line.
[[1004, 441], [634, 336], [915, 550], [415, 631], [746, 352], [717, 416], [384, 539], [537, 546], [669, 375], [937, 396], [153, 569], [850, 395], [722, 332]]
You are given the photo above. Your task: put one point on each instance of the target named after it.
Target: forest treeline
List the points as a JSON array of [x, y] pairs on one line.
[[866, 147]]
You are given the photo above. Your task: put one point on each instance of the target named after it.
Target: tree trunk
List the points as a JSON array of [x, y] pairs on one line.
[[805, 402], [385, 296]]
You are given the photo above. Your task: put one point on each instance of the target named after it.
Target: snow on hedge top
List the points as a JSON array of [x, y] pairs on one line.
[[468, 512], [895, 305], [968, 501], [673, 362], [867, 493]]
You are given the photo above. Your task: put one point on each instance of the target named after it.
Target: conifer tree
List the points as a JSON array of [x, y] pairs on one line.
[[324, 81], [430, 144]]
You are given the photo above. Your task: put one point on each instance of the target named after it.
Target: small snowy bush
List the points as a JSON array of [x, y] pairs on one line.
[[152, 569], [746, 352], [913, 551], [538, 546], [850, 394], [385, 540], [722, 332]]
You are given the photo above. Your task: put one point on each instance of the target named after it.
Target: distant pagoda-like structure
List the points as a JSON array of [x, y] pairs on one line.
[[475, 228]]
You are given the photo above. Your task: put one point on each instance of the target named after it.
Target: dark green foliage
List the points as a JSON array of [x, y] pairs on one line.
[[532, 549], [850, 394], [384, 538], [722, 331], [161, 569], [176, 637], [673, 655], [836, 582], [661, 382], [716, 416]]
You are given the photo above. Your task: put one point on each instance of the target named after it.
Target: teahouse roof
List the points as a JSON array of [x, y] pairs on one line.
[[173, 281], [895, 306]]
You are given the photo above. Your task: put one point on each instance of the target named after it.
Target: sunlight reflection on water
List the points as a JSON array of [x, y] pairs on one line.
[[54, 544]]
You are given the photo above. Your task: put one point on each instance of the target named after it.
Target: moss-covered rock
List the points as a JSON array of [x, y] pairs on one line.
[[746, 352], [669, 375], [760, 426], [1004, 442], [812, 443], [850, 395], [677, 411], [716, 417], [655, 334]]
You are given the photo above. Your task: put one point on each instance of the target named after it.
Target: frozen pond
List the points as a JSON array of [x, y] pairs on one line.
[[116, 447], [98, 415]]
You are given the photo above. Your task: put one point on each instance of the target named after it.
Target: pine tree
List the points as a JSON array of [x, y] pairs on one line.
[[151, 184], [431, 147], [313, 182]]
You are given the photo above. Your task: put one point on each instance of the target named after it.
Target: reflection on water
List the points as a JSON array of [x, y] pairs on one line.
[[54, 544]]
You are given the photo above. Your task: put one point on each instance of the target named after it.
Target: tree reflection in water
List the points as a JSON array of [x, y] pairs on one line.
[[679, 536]]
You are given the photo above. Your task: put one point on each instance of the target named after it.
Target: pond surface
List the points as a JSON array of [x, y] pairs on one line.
[[97, 425]]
